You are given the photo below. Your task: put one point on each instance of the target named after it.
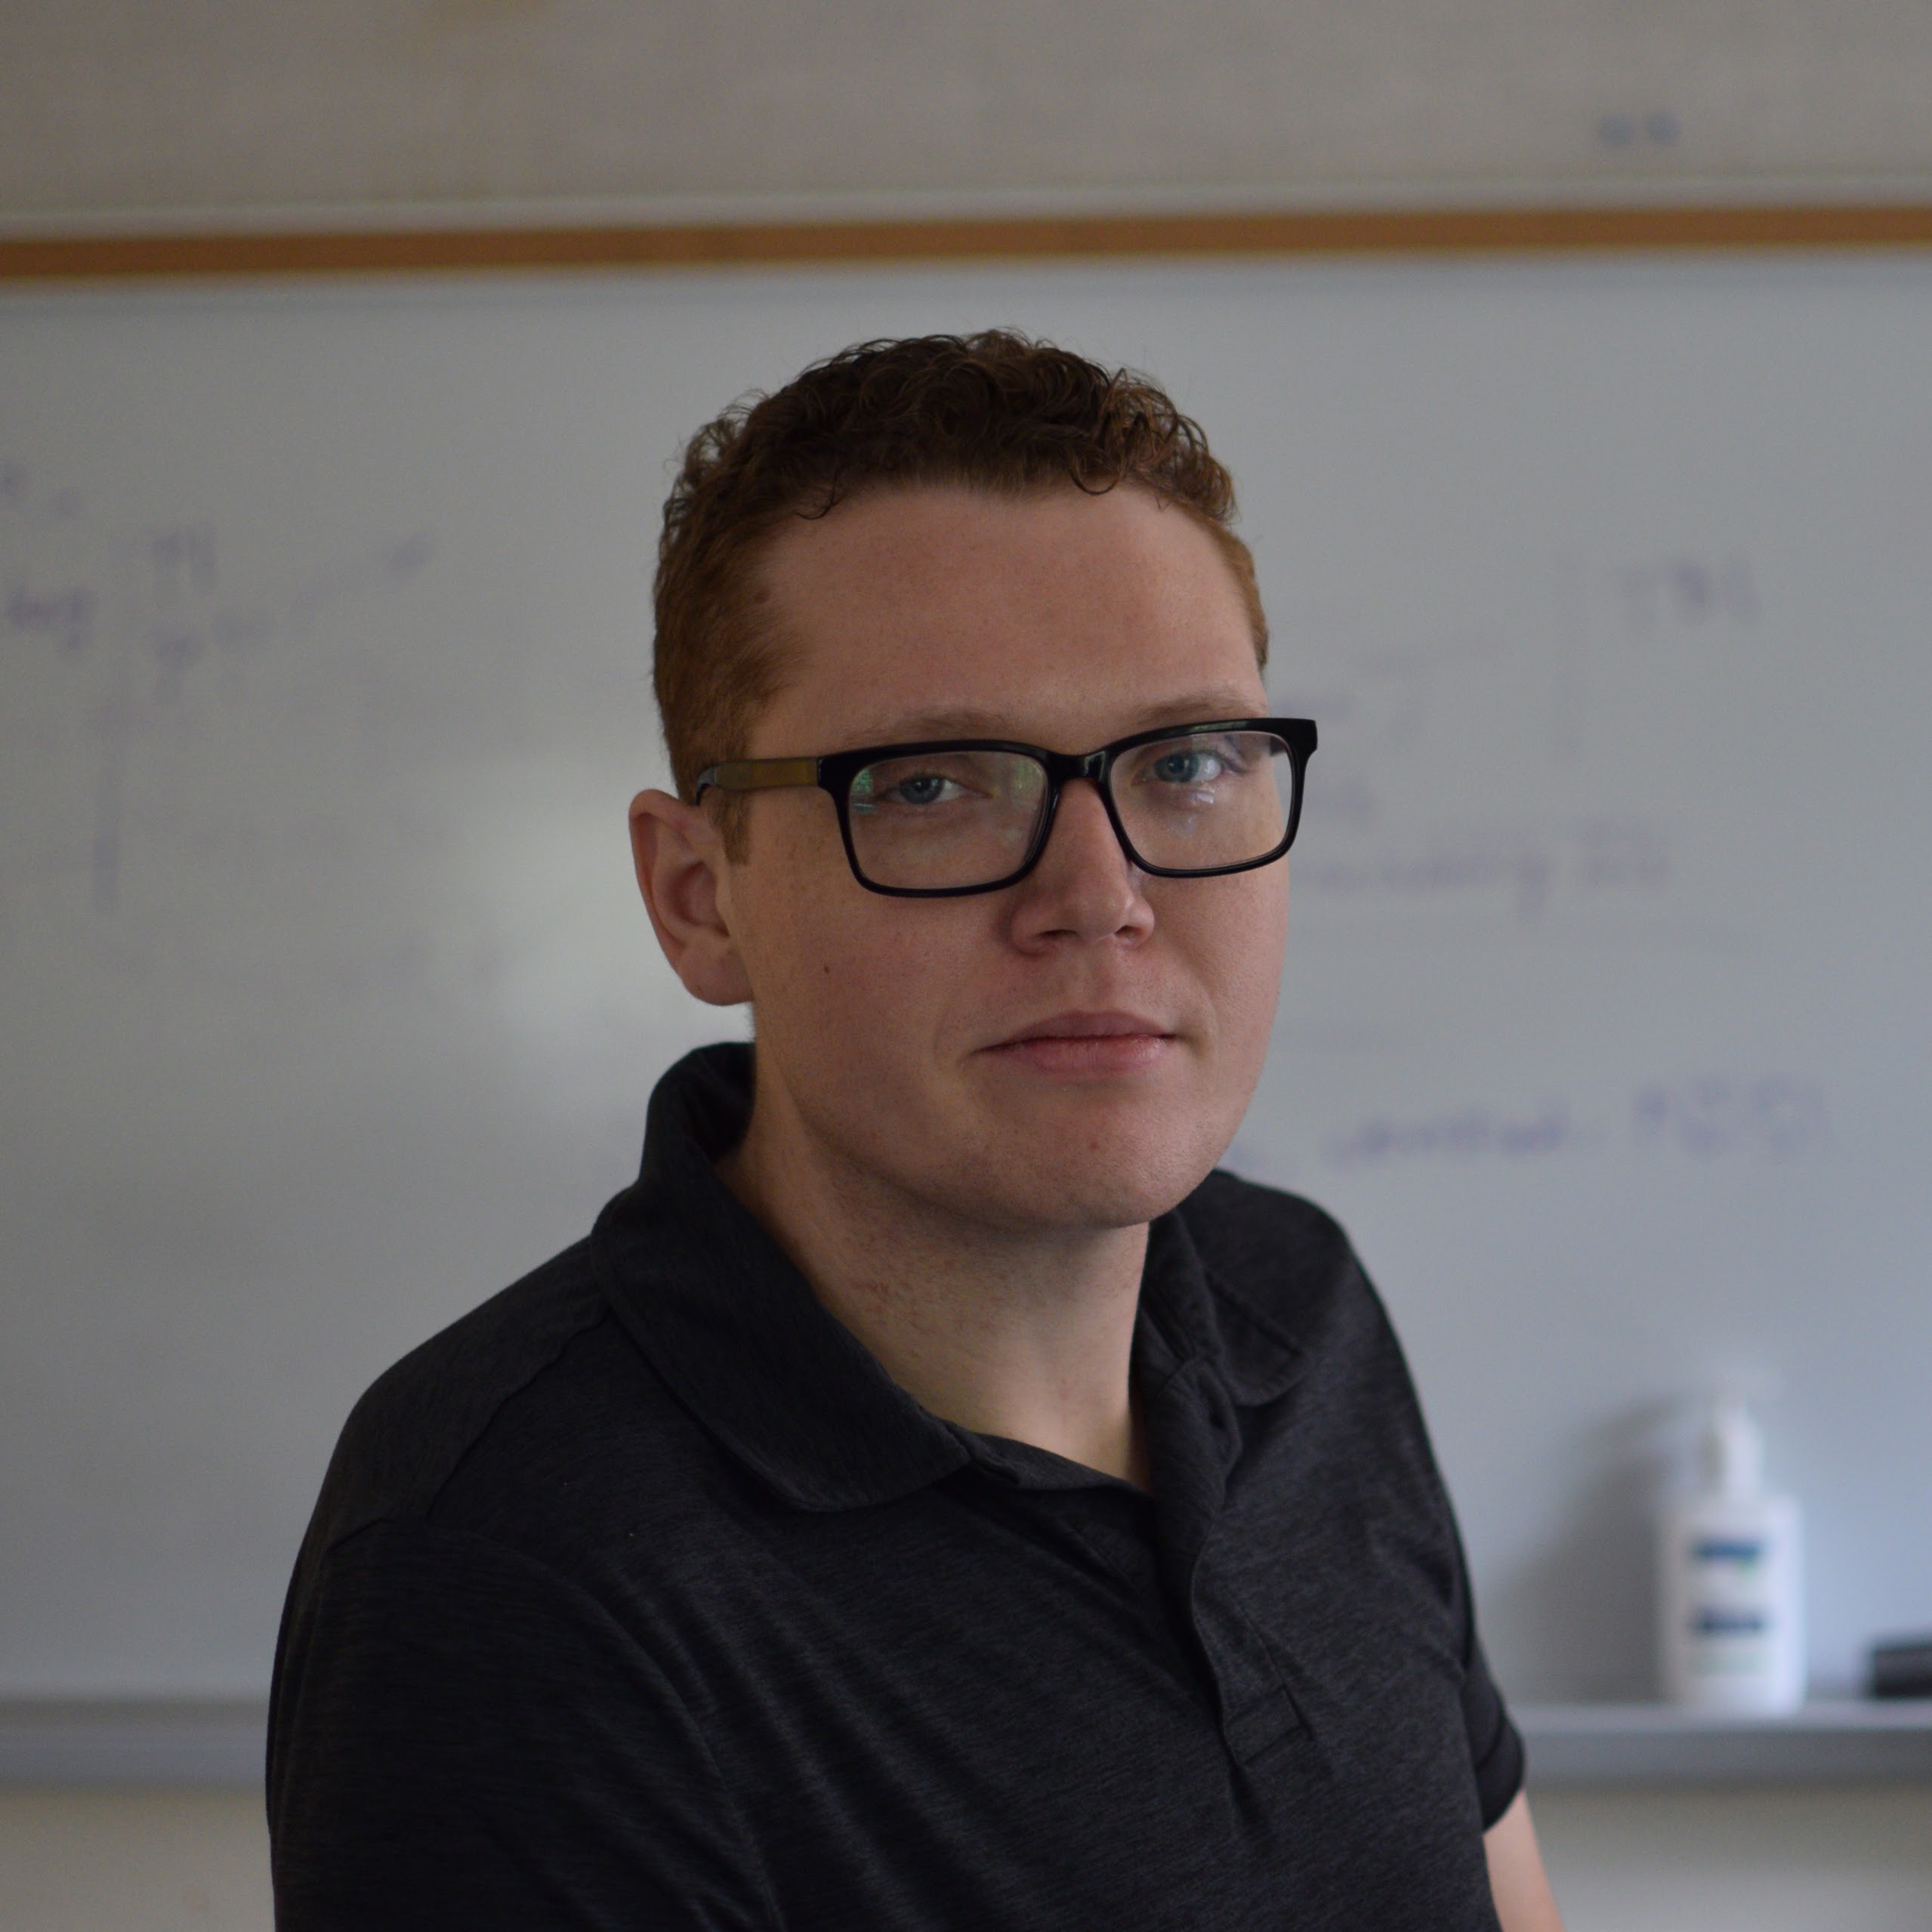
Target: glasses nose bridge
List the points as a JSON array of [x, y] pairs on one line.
[[1096, 768], [1064, 767]]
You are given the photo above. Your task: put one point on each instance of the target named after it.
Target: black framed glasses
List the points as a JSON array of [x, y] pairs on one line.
[[955, 815]]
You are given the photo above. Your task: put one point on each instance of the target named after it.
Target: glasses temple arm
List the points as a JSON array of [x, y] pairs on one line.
[[759, 775]]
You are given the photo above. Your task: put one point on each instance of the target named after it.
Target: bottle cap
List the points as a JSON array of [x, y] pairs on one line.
[[1733, 1448]]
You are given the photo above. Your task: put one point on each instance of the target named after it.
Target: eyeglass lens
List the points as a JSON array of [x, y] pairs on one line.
[[950, 819]]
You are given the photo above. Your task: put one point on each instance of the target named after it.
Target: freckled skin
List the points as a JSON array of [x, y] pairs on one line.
[[1063, 620]]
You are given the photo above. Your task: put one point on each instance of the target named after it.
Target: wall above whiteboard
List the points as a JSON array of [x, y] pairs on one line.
[[696, 110]]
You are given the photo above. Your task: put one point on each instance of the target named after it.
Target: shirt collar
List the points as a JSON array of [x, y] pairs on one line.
[[736, 1332]]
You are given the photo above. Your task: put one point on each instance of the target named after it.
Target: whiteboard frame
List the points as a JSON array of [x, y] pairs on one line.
[[1446, 230]]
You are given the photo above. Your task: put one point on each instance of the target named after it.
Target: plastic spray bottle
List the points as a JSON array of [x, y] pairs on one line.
[[1730, 1576]]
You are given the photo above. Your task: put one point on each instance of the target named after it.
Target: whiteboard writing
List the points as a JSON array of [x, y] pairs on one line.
[[1683, 593], [1719, 1114], [144, 614], [1520, 872], [1774, 1116]]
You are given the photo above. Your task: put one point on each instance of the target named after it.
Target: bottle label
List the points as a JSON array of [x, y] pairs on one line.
[[1745, 1552], [1729, 1624], [1720, 1620]]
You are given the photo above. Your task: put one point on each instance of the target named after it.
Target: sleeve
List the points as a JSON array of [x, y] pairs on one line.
[[460, 1738], [1496, 1755], [1495, 1745]]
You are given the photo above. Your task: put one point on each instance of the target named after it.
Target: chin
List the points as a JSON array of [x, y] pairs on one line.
[[1096, 1181]]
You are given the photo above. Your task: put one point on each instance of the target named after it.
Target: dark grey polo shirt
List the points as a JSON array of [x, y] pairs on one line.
[[642, 1597]]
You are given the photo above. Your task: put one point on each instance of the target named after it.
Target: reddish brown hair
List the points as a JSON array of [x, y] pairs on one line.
[[996, 412]]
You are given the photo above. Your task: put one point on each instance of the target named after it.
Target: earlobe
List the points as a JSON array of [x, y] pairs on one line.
[[680, 863]]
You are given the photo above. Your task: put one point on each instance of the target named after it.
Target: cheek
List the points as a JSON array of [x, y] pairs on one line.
[[1238, 952], [843, 979]]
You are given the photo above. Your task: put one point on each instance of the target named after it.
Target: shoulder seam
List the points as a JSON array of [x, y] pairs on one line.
[[412, 1493], [598, 1318]]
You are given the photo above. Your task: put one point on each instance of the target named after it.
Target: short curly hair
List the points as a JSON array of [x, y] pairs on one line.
[[997, 412]]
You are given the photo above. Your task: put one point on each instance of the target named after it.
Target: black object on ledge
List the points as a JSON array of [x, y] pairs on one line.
[[1902, 1667]]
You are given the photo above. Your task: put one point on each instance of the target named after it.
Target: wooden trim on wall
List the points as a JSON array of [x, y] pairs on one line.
[[1447, 231]]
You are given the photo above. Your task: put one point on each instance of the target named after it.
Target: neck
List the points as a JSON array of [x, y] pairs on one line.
[[1024, 1334]]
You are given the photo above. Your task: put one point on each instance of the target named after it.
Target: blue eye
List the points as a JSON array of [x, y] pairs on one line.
[[1189, 767], [923, 788]]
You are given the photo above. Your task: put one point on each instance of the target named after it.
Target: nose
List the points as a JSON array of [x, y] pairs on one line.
[[1084, 886]]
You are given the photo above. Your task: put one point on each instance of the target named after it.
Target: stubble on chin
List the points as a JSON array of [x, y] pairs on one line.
[[1058, 1174]]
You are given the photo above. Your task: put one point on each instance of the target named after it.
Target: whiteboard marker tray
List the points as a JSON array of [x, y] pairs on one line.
[[217, 1743], [1852, 1742]]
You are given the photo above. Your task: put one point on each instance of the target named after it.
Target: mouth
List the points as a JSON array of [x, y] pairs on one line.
[[1087, 1045]]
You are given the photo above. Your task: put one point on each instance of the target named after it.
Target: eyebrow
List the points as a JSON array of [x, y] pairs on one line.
[[959, 721]]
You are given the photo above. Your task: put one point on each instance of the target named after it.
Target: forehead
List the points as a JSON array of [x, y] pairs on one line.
[[1054, 615]]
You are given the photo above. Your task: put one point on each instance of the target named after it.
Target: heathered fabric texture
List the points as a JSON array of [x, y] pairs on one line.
[[641, 1597]]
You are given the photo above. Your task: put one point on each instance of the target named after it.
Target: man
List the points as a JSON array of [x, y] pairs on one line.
[[931, 1497]]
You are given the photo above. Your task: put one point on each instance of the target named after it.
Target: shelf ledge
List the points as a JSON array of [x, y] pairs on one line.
[[200, 1743], [1574, 1746], [216, 1744]]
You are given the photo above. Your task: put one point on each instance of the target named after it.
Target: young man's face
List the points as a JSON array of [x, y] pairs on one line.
[[1075, 1050]]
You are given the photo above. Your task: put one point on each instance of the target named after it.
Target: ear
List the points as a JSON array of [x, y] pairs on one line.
[[681, 873]]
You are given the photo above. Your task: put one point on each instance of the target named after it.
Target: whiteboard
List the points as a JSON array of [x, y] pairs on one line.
[[328, 1008]]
